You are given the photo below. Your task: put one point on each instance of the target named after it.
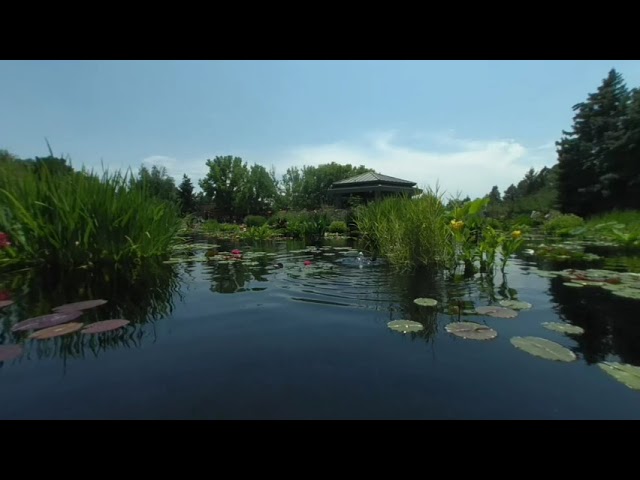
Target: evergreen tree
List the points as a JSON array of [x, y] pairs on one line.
[[589, 155], [185, 196]]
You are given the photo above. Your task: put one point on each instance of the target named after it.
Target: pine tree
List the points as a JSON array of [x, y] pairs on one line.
[[186, 196], [589, 155]]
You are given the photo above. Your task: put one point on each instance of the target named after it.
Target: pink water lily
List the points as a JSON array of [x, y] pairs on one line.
[[4, 240]]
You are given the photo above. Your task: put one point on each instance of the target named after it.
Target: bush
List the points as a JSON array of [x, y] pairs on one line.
[[255, 221], [338, 227], [562, 224]]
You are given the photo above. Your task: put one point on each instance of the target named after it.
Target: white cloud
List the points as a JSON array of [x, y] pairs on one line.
[[468, 166]]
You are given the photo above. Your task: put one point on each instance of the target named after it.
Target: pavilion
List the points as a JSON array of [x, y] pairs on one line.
[[369, 186]]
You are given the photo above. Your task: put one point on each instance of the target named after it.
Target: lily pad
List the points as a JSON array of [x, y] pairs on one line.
[[563, 328], [515, 304], [573, 284], [9, 352], [541, 347], [471, 331], [497, 312], [56, 331], [632, 293], [624, 373], [70, 307], [426, 302], [105, 326], [5, 303], [405, 326], [45, 321]]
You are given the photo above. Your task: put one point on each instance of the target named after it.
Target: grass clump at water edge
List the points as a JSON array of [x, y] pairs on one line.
[[80, 219], [409, 232]]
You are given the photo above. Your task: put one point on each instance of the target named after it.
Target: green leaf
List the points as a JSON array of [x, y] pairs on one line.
[[515, 304], [563, 328], [426, 302], [471, 331], [624, 373], [405, 326], [541, 347]]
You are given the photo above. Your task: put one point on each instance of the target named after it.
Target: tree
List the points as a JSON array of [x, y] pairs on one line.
[[158, 183], [224, 182], [590, 155], [185, 196], [494, 195]]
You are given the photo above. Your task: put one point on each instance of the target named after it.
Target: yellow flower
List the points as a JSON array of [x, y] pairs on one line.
[[516, 234], [457, 224]]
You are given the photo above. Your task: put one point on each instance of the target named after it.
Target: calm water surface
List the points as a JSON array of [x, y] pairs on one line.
[[244, 340]]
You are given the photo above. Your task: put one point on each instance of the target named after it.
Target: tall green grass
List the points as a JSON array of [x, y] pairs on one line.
[[81, 219], [408, 232]]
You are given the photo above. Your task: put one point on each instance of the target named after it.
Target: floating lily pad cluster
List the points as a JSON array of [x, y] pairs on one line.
[[60, 322], [627, 374], [621, 284]]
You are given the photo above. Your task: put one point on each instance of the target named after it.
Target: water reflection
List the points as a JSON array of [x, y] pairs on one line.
[[141, 295], [610, 323]]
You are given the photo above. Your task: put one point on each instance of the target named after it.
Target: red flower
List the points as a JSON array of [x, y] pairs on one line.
[[307, 262], [4, 240], [5, 296], [236, 252]]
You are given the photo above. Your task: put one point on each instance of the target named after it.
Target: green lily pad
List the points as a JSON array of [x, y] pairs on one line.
[[563, 328], [541, 347], [497, 312], [405, 326], [545, 274], [624, 373], [631, 293], [426, 302], [471, 331], [515, 304], [573, 284]]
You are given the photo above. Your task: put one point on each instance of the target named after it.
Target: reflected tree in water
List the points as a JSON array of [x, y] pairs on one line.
[[610, 323], [142, 296]]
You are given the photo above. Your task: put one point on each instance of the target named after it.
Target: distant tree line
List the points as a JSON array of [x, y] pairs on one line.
[[230, 185]]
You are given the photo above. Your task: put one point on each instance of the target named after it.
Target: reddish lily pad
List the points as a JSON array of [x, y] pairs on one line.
[[105, 326], [71, 307], [5, 303], [471, 331], [45, 321], [497, 312], [56, 331], [9, 352]]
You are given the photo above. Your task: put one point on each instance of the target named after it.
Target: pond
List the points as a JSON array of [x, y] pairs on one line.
[[217, 338]]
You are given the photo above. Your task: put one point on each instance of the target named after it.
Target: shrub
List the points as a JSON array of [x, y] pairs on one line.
[[562, 223], [338, 227], [255, 221]]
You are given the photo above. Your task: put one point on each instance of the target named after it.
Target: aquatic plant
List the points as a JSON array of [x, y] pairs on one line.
[[541, 347], [471, 331], [9, 352], [624, 373], [563, 328], [105, 326], [426, 302], [497, 312], [408, 232], [405, 326], [56, 331], [81, 219]]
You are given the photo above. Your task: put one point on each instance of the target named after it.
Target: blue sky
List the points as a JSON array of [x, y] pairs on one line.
[[466, 124]]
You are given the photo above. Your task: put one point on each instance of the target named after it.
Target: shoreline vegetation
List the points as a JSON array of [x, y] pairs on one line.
[[51, 214]]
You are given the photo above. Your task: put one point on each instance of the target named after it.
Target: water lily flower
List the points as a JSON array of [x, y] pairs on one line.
[[307, 262], [4, 240], [516, 234]]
